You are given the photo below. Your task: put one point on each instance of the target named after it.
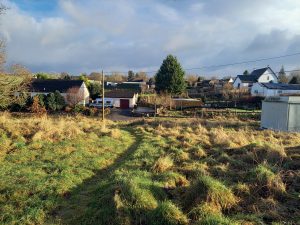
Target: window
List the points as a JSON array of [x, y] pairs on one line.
[[256, 91], [268, 77], [108, 102], [279, 92]]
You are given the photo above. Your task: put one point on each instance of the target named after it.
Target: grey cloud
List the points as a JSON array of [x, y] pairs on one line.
[[132, 34]]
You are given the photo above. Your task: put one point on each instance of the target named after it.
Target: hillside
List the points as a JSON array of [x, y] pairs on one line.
[[69, 170]]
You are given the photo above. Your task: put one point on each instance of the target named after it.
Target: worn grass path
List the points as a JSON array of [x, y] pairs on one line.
[[77, 202]]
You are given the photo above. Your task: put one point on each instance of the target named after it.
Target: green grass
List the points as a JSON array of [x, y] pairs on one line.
[[72, 171]]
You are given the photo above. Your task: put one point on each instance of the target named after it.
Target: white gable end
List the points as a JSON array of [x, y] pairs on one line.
[[267, 77]]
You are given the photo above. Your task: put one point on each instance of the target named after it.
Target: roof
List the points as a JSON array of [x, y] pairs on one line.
[[120, 93], [255, 75], [281, 86], [52, 85], [248, 78]]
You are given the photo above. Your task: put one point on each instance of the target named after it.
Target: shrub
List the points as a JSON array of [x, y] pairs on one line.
[[36, 107], [51, 102], [78, 108], [212, 191], [167, 214], [163, 164]]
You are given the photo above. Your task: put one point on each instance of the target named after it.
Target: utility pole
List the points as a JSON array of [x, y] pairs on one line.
[[102, 96]]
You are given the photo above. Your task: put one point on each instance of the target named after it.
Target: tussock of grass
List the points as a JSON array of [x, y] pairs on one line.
[[135, 197], [219, 137], [115, 133], [212, 191], [167, 214], [172, 180], [199, 152], [163, 164], [266, 178]]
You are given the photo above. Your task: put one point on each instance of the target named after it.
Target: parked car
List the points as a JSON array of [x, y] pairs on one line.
[[98, 104]]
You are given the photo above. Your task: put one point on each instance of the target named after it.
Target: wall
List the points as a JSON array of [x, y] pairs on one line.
[[274, 115], [259, 90], [116, 101], [294, 117], [268, 77], [242, 85]]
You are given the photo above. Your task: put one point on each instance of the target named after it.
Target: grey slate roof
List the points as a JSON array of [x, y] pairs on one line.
[[248, 78], [120, 93], [281, 86], [52, 85]]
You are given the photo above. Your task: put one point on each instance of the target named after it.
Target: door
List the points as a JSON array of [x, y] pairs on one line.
[[124, 103]]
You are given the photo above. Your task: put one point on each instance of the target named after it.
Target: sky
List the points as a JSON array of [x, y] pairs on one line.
[[77, 36]]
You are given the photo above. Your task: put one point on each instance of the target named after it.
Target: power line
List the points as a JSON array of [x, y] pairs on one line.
[[224, 65]]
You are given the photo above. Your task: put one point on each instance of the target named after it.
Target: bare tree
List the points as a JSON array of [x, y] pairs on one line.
[[2, 43], [191, 79], [141, 76], [116, 77], [75, 95]]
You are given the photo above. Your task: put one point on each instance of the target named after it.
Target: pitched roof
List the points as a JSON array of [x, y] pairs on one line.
[[248, 78], [261, 71], [281, 86], [255, 75], [120, 93], [52, 85]]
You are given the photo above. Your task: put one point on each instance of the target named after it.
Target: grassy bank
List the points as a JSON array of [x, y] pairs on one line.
[[70, 170]]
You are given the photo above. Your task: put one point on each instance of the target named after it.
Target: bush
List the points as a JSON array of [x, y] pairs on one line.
[[55, 101], [167, 214], [79, 108]]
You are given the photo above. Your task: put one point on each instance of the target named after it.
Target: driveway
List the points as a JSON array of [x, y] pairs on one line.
[[121, 115]]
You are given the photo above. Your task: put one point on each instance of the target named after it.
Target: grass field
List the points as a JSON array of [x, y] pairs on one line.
[[71, 170]]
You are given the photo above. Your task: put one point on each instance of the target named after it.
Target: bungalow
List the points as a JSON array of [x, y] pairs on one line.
[[263, 75], [74, 91], [119, 98], [273, 89]]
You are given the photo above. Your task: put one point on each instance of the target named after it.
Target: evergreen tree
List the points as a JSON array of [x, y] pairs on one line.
[[170, 77], [51, 101], [295, 80], [130, 75], [282, 77], [95, 90], [246, 72], [60, 100], [55, 101]]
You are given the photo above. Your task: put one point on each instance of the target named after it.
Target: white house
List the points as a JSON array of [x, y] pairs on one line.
[[119, 98], [274, 89], [264, 75], [74, 91]]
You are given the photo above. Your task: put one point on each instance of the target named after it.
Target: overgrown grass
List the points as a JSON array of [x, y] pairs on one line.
[[72, 170]]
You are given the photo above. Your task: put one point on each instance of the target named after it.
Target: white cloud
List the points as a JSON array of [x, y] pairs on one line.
[[132, 34]]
